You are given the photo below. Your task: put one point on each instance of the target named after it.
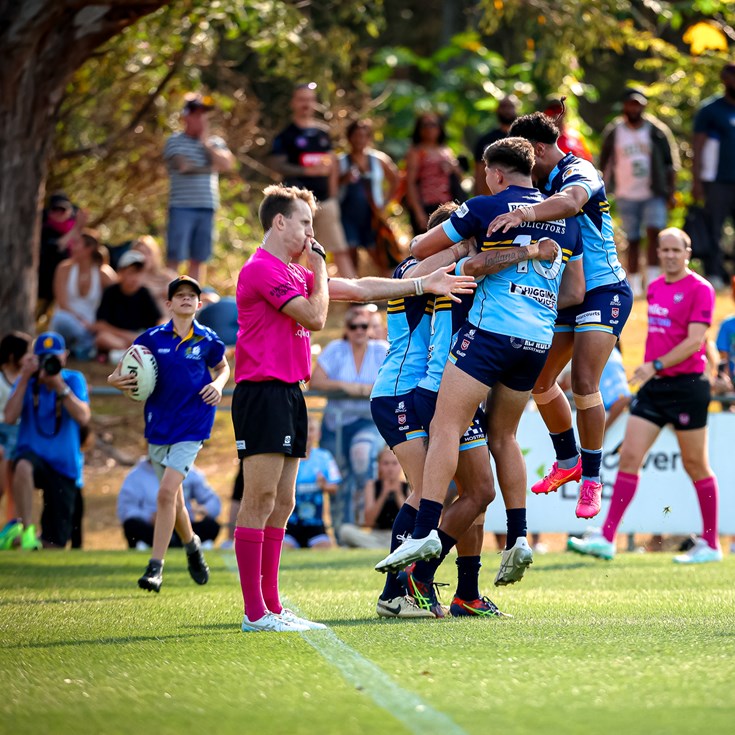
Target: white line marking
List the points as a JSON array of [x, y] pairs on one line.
[[407, 707]]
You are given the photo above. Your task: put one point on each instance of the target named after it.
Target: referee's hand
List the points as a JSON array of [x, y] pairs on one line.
[[315, 253], [643, 373]]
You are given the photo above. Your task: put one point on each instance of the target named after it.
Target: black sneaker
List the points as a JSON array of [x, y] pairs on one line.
[[152, 578], [198, 568]]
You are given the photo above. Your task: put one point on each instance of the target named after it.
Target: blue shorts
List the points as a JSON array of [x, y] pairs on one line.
[[497, 358], [636, 215], [190, 234], [604, 309], [396, 419], [425, 403]]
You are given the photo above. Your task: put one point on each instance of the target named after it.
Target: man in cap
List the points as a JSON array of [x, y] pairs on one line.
[[52, 404], [194, 160], [639, 160], [127, 307]]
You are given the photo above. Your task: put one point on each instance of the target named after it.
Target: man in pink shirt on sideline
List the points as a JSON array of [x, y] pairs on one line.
[[675, 390], [278, 303]]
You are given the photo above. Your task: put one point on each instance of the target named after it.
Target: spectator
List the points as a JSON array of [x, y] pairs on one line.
[[78, 285], [726, 347], [13, 347], [368, 180], [53, 407], [194, 160], [350, 365], [639, 161], [383, 499], [303, 154], [221, 317], [137, 505], [156, 276], [714, 126], [318, 474], [570, 140], [127, 307], [433, 174], [58, 221], [506, 113]]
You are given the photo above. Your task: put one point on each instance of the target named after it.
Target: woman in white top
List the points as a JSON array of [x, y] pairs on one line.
[[350, 365], [78, 285]]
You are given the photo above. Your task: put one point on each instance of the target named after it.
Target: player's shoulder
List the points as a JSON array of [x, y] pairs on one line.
[[404, 266], [571, 166], [207, 332]]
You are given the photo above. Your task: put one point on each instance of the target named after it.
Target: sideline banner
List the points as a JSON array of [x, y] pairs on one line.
[[666, 501]]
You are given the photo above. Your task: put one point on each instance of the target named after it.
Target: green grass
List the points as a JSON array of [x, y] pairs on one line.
[[637, 645]]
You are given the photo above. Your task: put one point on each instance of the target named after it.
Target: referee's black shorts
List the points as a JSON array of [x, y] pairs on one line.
[[269, 418], [680, 400]]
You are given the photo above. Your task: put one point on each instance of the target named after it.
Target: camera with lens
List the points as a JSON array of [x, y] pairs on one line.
[[50, 364]]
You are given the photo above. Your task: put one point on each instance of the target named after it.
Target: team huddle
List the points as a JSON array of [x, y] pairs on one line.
[[496, 298]]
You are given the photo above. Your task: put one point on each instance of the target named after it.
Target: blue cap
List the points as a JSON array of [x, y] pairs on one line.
[[49, 343]]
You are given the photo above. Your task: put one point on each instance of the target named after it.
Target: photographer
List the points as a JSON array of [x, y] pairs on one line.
[[53, 406]]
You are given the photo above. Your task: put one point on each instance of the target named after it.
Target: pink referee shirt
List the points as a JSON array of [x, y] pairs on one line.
[[672, 307], [270, 344]]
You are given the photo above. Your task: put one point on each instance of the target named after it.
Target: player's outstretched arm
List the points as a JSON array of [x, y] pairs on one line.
[[564, 204], [493, 261], [372, 288]]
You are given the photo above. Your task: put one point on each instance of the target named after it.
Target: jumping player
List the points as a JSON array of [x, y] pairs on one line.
[[179, 415], [278, 303], [586, 333], [502, 345], [674, 390]]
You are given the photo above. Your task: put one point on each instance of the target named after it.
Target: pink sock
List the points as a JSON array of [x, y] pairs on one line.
[[707, 495], [249, 554], [272, 546], [623, 492]]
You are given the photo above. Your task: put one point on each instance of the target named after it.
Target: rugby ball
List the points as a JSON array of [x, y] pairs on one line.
[[140, 361]]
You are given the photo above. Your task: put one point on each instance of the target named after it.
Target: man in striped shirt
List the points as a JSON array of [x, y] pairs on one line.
[[194, 160]]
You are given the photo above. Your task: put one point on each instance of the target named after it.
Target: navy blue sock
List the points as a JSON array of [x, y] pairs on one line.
[[565, 447], [516, 519], [402, 525], [425, 570], [468, 578], [591, 461], [427, 519]]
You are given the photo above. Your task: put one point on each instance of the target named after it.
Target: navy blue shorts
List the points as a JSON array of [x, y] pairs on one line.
[[396, 419], [425, 404], [604, 309], [496, 358]]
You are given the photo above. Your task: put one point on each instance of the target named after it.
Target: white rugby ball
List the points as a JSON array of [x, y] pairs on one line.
[[140, 361]]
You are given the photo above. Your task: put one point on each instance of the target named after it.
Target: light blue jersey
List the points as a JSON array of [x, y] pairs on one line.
[[521, 300], [601, 264], [409, 327]]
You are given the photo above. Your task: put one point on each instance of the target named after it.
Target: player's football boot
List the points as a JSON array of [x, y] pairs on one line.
[[270, 623], [401, 607], [152, 578], [592, 543], [483, 607], [291, 617], [29, 541], [557, 477], [424, 594], [590, 497], [10, 532], [700, 553], [198, 568], [411, 550], [514, 562]]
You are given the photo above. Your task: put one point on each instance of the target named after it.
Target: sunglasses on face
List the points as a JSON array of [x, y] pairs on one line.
[[353, 327]]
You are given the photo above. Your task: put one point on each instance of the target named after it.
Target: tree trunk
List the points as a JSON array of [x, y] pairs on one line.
[[43, 42]]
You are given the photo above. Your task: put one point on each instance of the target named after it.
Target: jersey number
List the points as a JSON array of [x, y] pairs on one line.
[[549, 273]]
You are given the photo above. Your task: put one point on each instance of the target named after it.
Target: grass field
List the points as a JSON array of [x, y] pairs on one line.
[[637, 645]]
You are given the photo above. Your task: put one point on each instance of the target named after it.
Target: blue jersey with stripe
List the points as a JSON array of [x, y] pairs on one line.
[[446, 319], [520, 300], [601, 264], [409, 326]]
